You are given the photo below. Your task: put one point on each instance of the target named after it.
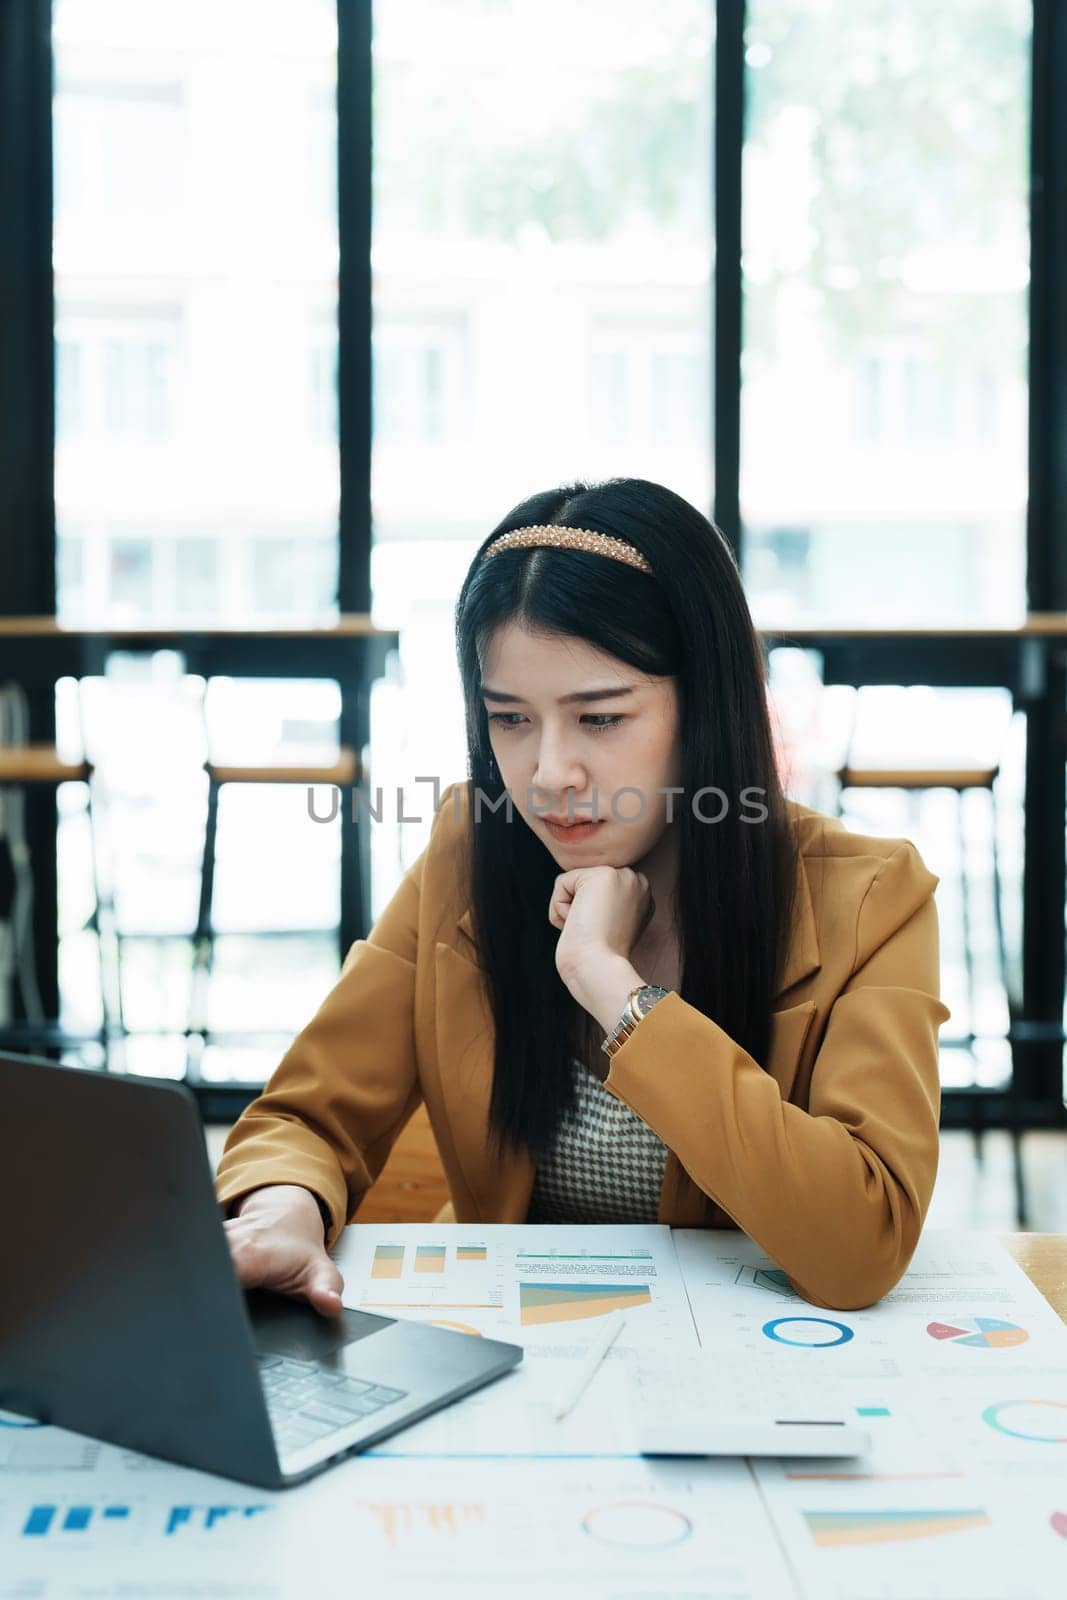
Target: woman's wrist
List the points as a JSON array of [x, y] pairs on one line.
[[604, 988], [272, 1195]]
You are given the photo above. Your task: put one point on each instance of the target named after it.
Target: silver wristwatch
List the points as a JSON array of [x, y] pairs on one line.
[[639, 1003]]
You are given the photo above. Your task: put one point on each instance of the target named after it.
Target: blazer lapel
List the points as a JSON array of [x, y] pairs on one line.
[[682, 1204], [802, 956], [464, 1035]]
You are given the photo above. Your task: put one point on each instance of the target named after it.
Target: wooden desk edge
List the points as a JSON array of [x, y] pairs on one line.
[[1043, 1257]]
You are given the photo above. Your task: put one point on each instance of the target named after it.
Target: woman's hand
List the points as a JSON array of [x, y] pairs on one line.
[[277, 1242], [602, 911]]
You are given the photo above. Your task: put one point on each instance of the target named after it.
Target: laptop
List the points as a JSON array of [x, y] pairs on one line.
[[121, 1315]]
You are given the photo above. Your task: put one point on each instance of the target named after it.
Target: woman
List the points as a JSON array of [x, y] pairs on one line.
[[707, 1006]]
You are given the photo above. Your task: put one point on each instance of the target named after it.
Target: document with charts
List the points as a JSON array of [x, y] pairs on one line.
[[572, 1530], [544, 1287], [959, 1375], [80, 1519]]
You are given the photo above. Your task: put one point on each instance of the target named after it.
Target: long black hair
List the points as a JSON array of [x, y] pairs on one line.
[[734, 900]]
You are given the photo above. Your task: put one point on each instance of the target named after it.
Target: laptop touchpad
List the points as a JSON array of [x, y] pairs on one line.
[[283, 1326]]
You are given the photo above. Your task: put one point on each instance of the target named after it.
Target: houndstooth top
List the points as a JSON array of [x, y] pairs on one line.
[[606, 1165]]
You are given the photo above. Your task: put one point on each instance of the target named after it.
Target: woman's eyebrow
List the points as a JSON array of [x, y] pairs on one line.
[[582, 695]]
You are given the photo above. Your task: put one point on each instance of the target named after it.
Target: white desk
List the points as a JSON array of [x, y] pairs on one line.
[[961, 1373]]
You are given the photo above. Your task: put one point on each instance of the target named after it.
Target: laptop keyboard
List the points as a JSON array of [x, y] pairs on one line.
[[307, 1402]]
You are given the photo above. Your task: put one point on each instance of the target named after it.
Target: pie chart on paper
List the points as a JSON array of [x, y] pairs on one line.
[[989, 1332]]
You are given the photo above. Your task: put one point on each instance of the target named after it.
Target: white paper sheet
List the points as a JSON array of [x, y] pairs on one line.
[[546, 1288], [614, 1530], [119, 1526], [82, 1520], [960, 1374]]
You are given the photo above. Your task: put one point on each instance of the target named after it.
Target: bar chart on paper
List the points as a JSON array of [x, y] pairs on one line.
[[404, 1271], [545, 1287], [535, 1285]]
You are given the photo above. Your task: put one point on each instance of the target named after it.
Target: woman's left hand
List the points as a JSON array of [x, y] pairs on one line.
[[602, 911]]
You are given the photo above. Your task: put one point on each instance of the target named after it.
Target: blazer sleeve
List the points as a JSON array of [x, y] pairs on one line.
[[835, 1194], [348, 1083]]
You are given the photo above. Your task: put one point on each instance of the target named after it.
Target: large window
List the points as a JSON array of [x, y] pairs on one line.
[[884, 404], [542, 267], [195, 253], [197, 474], [543, 272]]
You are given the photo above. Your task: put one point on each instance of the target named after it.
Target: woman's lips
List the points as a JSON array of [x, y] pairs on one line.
[[574, 833]]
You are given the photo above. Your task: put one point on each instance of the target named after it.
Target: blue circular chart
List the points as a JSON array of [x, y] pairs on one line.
[[808, 1331], [637, 1525], [1040, 1421]]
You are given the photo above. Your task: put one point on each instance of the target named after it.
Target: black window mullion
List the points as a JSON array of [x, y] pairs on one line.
[[27, 422], [27, 434], [354, 175], [354, 327], [1047, 508], [1038, 1054], [728, 137]]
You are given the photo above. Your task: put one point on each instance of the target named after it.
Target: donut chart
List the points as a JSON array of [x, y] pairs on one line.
[[1040, 1421], [637, 1525], [812, 1333]]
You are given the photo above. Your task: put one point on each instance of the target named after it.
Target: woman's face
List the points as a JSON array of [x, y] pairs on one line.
[[557, 754]]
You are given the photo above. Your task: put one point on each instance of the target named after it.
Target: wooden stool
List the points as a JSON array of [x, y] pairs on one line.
[[343, 770], [914, 781]]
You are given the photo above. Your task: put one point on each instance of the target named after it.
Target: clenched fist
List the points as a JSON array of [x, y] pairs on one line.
[[602, 911]]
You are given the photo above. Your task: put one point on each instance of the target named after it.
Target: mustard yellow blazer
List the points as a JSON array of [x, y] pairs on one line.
[[825, 1155]]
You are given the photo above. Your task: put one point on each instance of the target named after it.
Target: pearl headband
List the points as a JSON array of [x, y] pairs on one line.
[[550, 536]]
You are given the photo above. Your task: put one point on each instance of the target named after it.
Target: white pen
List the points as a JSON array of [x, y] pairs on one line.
[[608, 1334]]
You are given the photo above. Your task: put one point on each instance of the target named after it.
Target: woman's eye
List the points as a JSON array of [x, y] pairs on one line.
[[598, 721]]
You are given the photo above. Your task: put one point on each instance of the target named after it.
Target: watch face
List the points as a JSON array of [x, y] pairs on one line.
[[646, 998]]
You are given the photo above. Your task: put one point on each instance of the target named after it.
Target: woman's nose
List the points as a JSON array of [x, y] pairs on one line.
[[557, 770]]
